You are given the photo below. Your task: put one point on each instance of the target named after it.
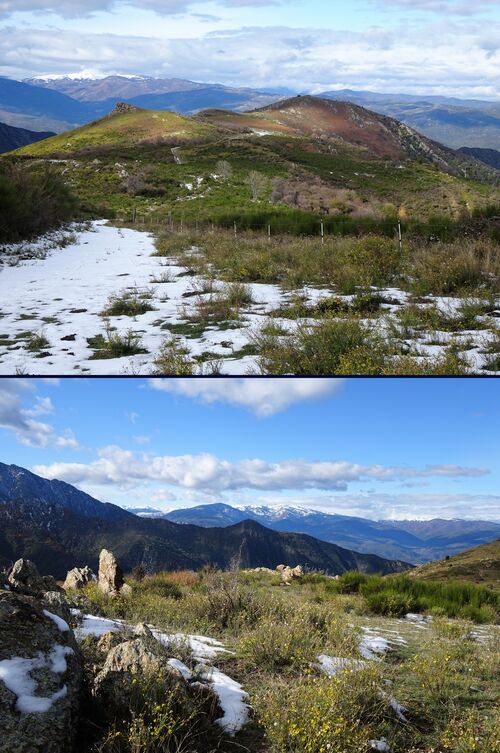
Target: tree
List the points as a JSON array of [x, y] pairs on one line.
[[257, 182], [224, 169]]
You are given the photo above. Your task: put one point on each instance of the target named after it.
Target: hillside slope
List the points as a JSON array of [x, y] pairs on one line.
[[479, 565]]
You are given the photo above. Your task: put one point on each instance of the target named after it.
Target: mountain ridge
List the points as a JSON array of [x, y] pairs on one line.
[[59, 527], [415, 541]]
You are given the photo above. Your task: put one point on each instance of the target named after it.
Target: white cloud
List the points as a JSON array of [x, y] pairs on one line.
[[22, 420], [449, 58], [264, 397], [206, 472]]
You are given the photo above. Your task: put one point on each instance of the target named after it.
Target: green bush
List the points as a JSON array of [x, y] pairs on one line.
[[33, 201]]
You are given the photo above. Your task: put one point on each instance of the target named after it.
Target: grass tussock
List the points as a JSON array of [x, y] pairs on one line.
[[129, 303]]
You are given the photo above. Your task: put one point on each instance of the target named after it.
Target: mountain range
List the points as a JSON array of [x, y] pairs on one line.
[[61, 103], [413, 541], [60, 527]]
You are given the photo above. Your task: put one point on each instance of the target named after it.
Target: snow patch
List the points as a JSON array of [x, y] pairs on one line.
[[58, 621], [15, 673], [334, 665], [232, 698], [181, 667]]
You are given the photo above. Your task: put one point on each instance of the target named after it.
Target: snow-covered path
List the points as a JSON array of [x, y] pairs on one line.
[[62, 296]]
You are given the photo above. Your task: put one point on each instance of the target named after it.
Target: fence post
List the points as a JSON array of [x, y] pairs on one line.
[[322, 233], [134, 215], [269, 232], [400, 235], [235, 229]]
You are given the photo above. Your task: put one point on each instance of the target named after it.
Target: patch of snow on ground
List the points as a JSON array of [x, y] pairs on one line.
[[98, 626], [58, 621], [380, 745], [232, 698], [201, 647], [60, 292], [371, 645], [181, 667], [333, 665]]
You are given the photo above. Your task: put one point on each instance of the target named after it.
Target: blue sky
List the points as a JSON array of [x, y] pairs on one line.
[[418, 46], [378, 448]]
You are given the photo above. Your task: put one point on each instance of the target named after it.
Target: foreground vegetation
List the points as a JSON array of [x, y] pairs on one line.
[[433, 689], [34, 199]]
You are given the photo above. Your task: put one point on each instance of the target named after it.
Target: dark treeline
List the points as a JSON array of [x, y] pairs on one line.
[[33, 200]]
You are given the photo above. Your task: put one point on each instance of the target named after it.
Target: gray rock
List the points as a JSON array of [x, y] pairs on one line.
[[42, 716], [55, 602], [124, 662], [110, 574], [25, 579], [78, 578]]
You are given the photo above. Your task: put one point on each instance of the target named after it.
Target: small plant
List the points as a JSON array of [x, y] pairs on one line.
[[36, 343], [129, 303], [173, 360], [115, 345]]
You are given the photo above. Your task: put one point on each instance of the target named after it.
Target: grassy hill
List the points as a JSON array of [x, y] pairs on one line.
[[313, 157], [479, 565]]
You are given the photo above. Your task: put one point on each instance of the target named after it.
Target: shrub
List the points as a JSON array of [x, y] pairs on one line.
[[173, 360], [33, 201], [312, 715], [390, 603], [444, 269], [328, 347], [275, 645], [37, 342]]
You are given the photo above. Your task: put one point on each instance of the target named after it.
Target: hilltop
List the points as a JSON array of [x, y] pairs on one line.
[[479, 565]]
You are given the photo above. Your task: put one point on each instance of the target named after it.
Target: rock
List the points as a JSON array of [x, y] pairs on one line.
[[123, 107], [55, 602], [290, 573], [280, 568], [40, 678], [108, 641], [263, 570], [78, 578], [126, 661], [110, 574], [126, 590], [25, 579]]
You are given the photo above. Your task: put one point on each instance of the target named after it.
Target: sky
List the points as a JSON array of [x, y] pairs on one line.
[[443, 47], [381, 449]]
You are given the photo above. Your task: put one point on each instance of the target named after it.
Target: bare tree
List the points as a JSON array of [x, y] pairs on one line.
[[224, 169], [257, 182]]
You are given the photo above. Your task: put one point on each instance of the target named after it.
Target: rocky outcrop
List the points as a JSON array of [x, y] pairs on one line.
[[40, 678], [24, 578], [123, 107], [110, 574], [288, 574], [78, 578], [125, 662]]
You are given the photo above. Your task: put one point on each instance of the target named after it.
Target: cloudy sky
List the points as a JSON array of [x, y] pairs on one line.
[[375, 448], [418, 46]]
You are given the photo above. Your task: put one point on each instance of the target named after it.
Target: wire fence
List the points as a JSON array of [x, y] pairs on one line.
[[321, 228]]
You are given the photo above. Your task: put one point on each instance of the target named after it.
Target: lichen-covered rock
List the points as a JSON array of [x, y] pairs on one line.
[[78, 578], [40, 678], [288, 574], [124, 662], [110, 574], [55, 602], [24, 578]]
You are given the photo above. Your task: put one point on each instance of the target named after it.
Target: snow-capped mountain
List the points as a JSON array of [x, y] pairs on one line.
[[413, 541]]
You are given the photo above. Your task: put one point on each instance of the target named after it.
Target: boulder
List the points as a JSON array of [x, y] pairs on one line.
[[78, 578], [25, 579], [290, 573], [40, 678], [110, 574], [125, 662]]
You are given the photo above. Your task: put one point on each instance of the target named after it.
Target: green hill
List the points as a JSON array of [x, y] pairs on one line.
[[313, 157], [479, 565]]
